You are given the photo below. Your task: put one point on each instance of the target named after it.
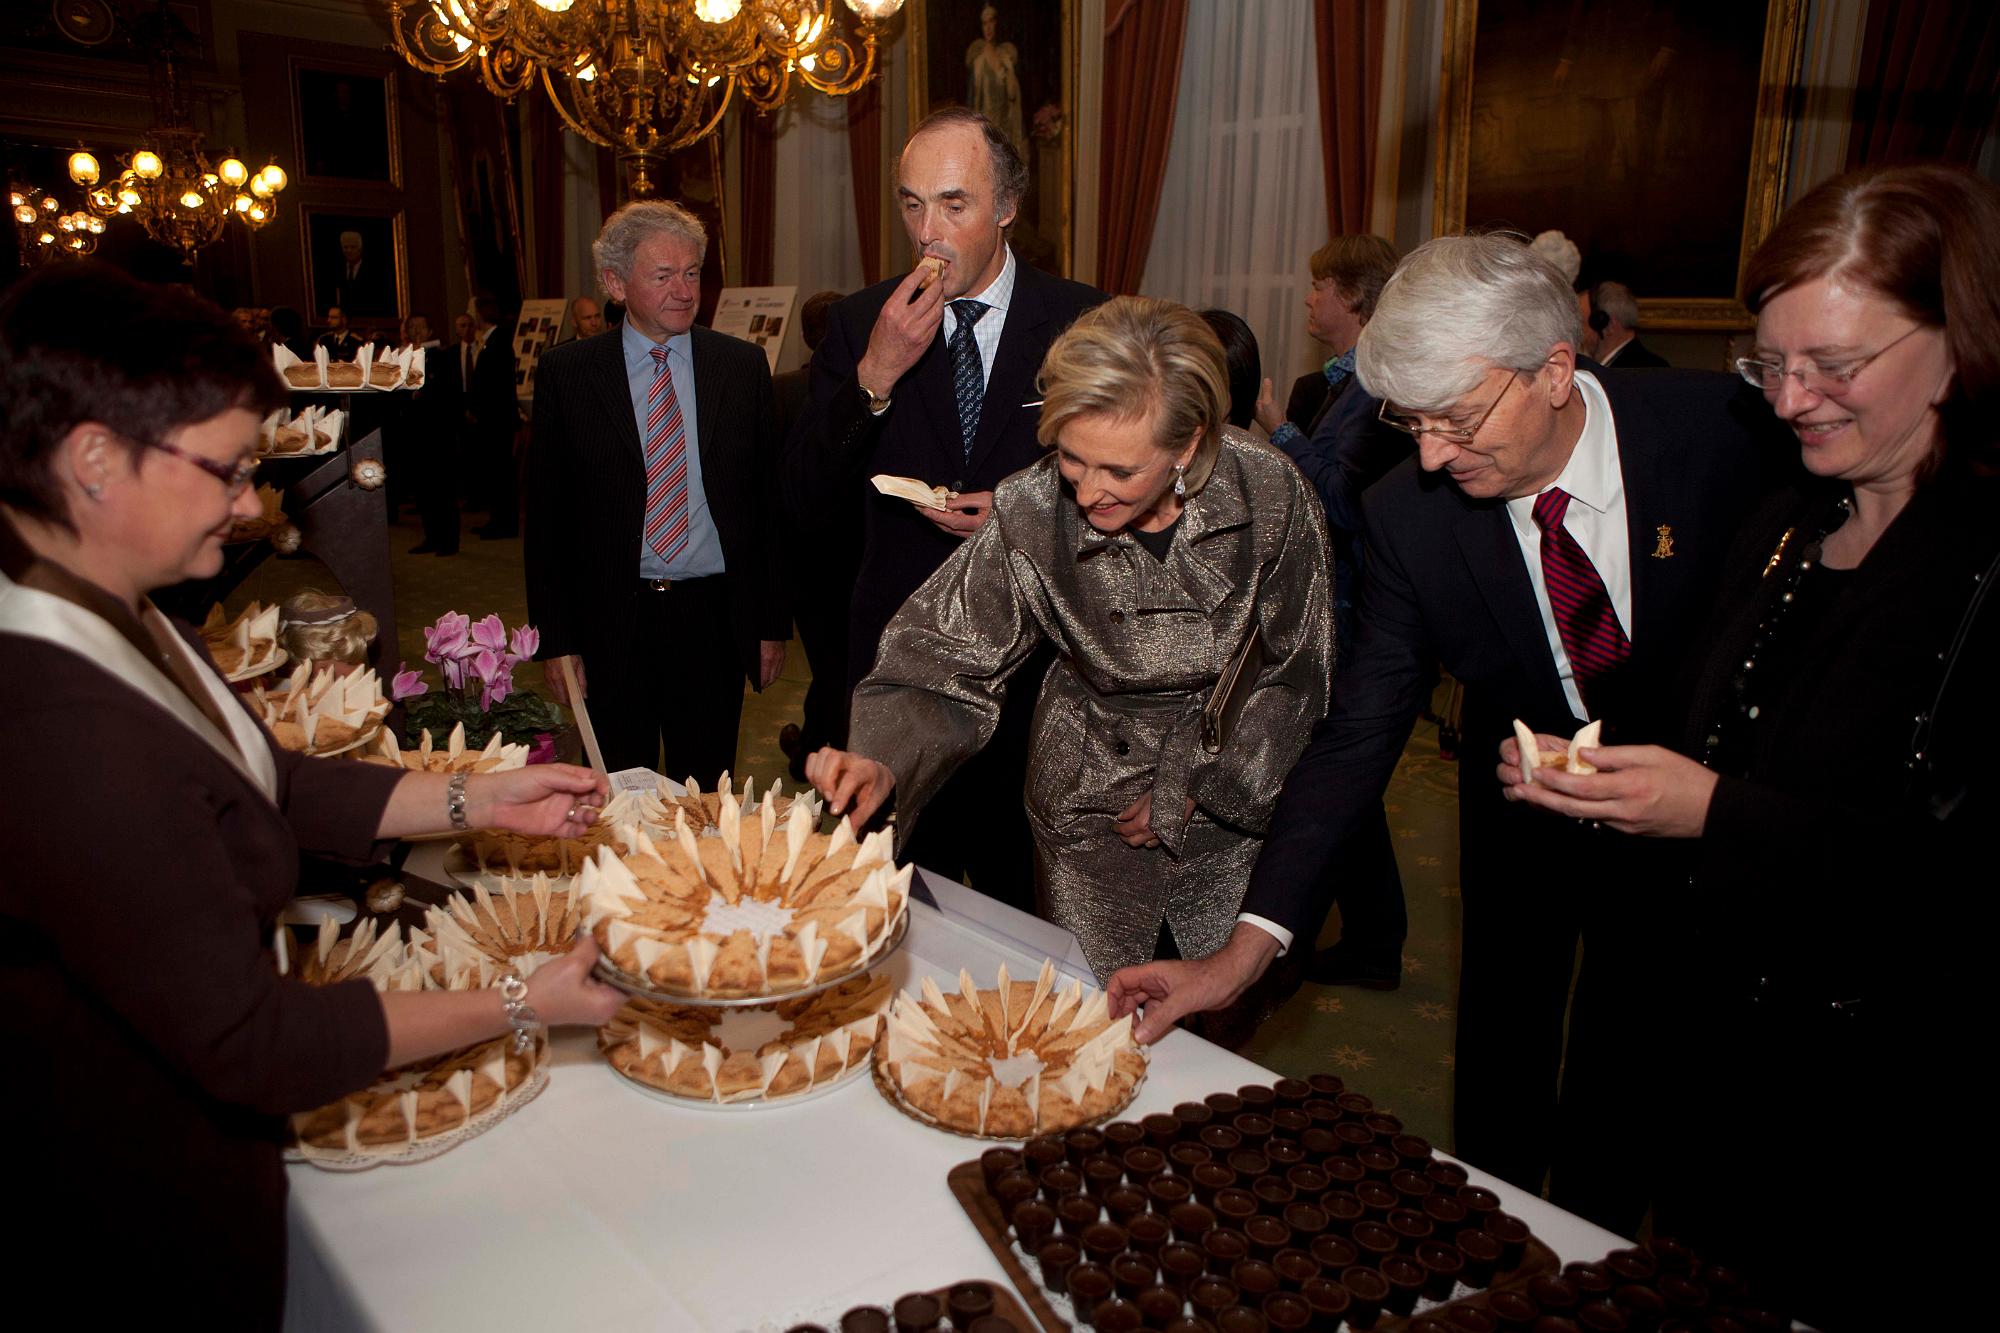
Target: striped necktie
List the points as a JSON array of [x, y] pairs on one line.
[[968, 376], [666, 465], [1585, 619]]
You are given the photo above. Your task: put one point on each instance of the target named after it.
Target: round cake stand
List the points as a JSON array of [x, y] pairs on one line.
[[613, 975], [832, 1085], [878, 1065]]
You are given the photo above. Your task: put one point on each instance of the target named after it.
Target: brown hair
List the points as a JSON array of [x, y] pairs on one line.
[[1358, 265], [1924, 237], [325, 627], [1135, 357]]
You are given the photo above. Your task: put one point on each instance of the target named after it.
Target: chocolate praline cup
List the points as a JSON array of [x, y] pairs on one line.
[[1375, 1241], [865, 1319], [1412, 1228], [1148, 1232], [1366, 1290], [1224, 1104], [1257, 1097], [1674, 1256], [1446, 1214], [1143, 1163], [1076, 1212], [1234, 1206], [1056, 1258], [1353, 1136], [1254, 1126], [968, 1300], [1326, 1085], [1283, 1152], [1267, 1235], [1189, 1323], [1290, 1121], [1306, 1221], [1447, 1175], [1644, 1308], [1469, 1319], [1193, 1116], [1186, 1156], [1554, 1294], [1210, 1295], [1274, 1194], [1377, 1161], [1309, 1180], [1247, 1163], [1082, 1144], [1181, 1263], [1292, 1091], [1383, 1126], [1132, 1273], [1088, 1283], [1287, 1311], [1162, 1130], [1429, 1323], [918, 1312], [1482, 1256], [1060, 1179], [1241, 1319], [1414, 1150], [1604, 1317], [1405, 1277], [1511, 1309], [1555, 1323], [1254, 1278], [1102, 1174], [1512, 1233], [1191, 1221], [1328, 1299], [1442, 1266], [1221, 1139], [1167, 1191], [1333, 1253], [1354, 1105], [1044, 1150], [1115, 1314], [1631, 1265], [1377, 1198], [1034, 1222], [1725, 1285], [994, 1161], [1159, 1305], [1319, 1143], [1221, 1249], [1122, 1134], [1344, 1207], [1592, 1278], [1344, 1171], [1102, 1241], [1124, 1203], [1208, 1178], [1011, 1188], [1412, 1185], [1480, 1202], [1294, 1267]]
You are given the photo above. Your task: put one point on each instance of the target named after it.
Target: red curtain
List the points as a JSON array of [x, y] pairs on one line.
[[864, 154], [544, 147], [1928, 82], [1348, 37], [1142, 71], [760, 200]]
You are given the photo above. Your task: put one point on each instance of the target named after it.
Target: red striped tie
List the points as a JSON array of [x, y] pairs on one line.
[[666, 465], [1585, 618]]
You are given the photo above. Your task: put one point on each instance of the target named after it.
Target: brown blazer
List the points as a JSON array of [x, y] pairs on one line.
[[155, 1050]]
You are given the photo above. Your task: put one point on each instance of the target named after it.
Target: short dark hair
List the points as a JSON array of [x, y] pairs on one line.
[[82, 341], [488, 306], [813, 316], [1010, 173], [1925, 237], [1246, 369]]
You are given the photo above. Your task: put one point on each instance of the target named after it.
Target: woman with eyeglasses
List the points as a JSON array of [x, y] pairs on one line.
[[1837, 768], [153, 830]]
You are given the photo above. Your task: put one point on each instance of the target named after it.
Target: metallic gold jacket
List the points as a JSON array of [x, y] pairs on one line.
[[1141, 643]]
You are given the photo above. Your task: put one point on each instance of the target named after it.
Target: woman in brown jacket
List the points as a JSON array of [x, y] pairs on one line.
[[152, 830]]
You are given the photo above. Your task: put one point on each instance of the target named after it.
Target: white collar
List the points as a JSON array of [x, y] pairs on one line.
[[1001, 290], [1592, 476]]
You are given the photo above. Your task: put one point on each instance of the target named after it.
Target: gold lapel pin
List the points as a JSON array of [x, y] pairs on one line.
[[1664, 548]]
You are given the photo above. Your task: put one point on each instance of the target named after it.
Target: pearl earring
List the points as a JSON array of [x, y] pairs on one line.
[[1180, 479], [94, 490]]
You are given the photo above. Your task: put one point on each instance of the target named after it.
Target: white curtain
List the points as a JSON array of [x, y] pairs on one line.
[[1244, 202], [817, 244]]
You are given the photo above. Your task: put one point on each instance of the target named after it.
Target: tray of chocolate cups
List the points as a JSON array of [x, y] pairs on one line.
[[1664, 1287], [963, 1307], [1294, 1206]]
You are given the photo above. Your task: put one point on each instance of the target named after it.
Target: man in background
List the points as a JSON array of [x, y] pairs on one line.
[[492, 418], [1611, 332], [340, 341], [585, 319], [1347, 276]]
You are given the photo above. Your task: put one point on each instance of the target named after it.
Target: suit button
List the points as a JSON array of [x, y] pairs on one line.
[[1123, 748], [1117, 617]]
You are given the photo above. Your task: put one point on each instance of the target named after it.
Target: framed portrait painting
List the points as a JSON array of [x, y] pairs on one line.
[[346, 120], [1014, 61], [1653, 134], [355, 260]]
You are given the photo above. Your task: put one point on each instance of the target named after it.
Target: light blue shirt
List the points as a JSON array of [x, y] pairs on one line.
[[702, 555]]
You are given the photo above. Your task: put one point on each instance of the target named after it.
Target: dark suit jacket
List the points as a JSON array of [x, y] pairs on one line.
[[1447, 584], [586, 496], [1635, 355], [490, 397], [1311, 398], [339, 347], [838, 444]]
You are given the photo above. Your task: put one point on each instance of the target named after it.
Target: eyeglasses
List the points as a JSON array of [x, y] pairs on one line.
[[1456, 434], [1824, 381], [235, 477]]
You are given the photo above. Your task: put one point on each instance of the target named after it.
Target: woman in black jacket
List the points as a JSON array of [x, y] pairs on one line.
[[1837, 759]]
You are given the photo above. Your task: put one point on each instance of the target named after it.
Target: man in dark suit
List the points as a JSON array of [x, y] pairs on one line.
[[438, 413], [652, 547], [1611, 330], [935, 379], [1558, 569], [341, 342], [1347, 277], [492, 418]]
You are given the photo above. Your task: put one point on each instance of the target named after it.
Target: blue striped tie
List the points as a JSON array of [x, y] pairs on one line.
[[968, 379], [666, 465]]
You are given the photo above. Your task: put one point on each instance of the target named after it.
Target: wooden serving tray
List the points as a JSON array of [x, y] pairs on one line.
[[968, 1186]]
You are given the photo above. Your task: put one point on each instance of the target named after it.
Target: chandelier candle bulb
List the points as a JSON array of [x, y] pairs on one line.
[[83, 168]]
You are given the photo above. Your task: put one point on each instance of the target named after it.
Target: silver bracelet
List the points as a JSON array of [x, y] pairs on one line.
[[521, 1016], [454, 800]]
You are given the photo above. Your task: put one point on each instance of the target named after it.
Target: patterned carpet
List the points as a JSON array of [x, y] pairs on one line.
[[1396, 1045]]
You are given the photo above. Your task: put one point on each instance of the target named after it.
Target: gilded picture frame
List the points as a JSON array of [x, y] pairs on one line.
[[345, 122], [376, 299], [1024, 77], [1651, 155]]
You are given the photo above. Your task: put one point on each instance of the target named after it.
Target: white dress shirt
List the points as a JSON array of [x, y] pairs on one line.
[[1595, 483], [986, 333]]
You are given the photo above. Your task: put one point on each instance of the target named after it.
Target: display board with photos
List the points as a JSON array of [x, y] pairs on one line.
[[535, 331], [762, 315]]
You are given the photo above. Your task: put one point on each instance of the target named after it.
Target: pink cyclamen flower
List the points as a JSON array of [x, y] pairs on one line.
[[454, 672], [524, 643], [543, 751], [447, 638], [407, 684], [490, 632], [485, 664], [496, 689]]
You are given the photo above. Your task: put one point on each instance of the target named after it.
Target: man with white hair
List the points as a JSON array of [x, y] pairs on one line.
[[1554, 545], [652, 546], [1611, 331]]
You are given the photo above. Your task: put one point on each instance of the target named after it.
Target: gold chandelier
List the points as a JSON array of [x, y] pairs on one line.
[[644, 77], [46, 232]]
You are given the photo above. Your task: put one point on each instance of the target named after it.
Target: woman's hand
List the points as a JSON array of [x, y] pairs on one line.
[[848, 779], [1642, 789], [1135, 822], [1267, 413], [542, 800], [563, 991]]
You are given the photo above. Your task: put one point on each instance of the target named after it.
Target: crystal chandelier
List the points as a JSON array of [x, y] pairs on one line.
[[169, 185], [644, 77], [46, 232]]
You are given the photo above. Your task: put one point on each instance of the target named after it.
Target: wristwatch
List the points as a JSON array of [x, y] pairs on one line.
[[870, 403]]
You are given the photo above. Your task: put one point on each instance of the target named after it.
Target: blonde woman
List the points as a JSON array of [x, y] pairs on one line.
[[1148, 547]]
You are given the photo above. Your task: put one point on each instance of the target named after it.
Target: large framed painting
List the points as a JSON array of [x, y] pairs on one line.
[[1653, 133], [1014, 61], [355, 260], [346, 120]]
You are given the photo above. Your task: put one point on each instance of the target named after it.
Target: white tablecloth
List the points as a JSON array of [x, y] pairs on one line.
[[598, 1206]]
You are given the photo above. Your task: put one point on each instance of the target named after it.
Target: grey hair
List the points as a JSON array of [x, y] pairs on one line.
[[1457, 307], [631, 226], [1615, 299], [1560, 251], [344, 235], [1010, 173]]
